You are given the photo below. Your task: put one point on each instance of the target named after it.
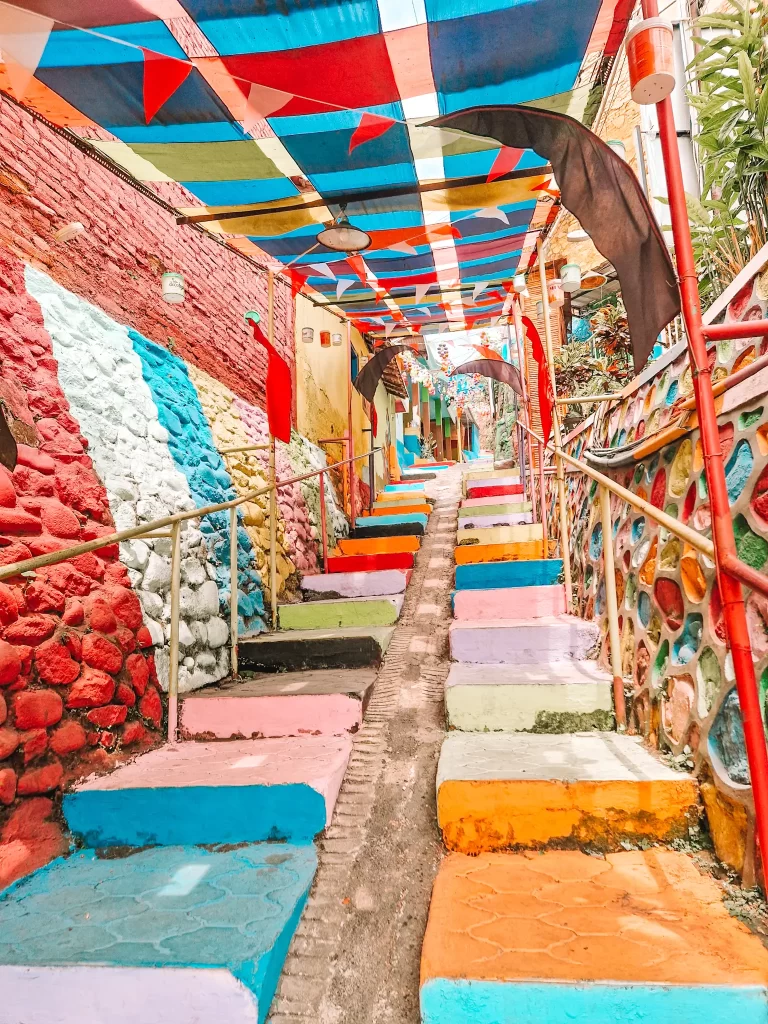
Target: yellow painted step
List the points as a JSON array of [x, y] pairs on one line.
[[378, 545], [469, 554], [502, 534]]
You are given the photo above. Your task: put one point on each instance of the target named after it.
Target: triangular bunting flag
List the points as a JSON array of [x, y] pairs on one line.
[[342, 284], [388, 328], [479, 288], [421, 290], [262, 103], [297, 281], [506, 160], [324, 270], [403, 247], [370, 127], [23, 36], [425, 310], [492, 213], [358, 265], [162, 77]]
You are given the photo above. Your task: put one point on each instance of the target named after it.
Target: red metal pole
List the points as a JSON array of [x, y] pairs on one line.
[[323, 523], [734, 614], [517, 315], [350, 435], [743, 329]]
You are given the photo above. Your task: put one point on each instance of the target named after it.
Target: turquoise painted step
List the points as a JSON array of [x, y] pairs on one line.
[[393, 488], [539, 572], [180, 934], [405, 517], [209, 793]]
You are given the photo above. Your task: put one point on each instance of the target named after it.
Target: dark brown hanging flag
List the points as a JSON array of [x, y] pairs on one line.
[[602, 192], [368, 379], [497, 369]]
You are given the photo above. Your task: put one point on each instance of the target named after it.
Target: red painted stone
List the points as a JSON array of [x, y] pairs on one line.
[[37, 709], [74, 613], [9, 605], [150, 706], [116, 574], [16, 520], [100, 616], [40, 780], [27, 481], [12, 552], [126, 606], [113, 714], [125, 639], [7, 489], [70, 736], [67, 579], [32, 630], [92, 689], [669, 598], [35, 459], [42, 597], [45, 544], [54, 663], [98, 652], [134, 732], [138, 670], [80, 491], [659, 488], [34, 744], [144, 637], [125, 695], [7, 786], [9, 741], [89, 565], [74, 643], [59, 520], [10, 663], [3, 709]]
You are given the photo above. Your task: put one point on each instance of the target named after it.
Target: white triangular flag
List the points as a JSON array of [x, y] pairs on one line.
[[262, 103], [421, 291], [403, 247], [426, 310], [342, 284], [324, 269], [23, 36], [492, 213], [479, 288], [388, 328]]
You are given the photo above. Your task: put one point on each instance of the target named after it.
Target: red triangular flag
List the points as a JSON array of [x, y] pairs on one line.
[[297, 281], [506, 160], [358, 265], [370, 127], [279, 392], [546, 399], [162, 77]]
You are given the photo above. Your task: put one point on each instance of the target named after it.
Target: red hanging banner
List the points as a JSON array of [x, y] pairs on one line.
[[278, 388], [162, 77], [546, 400]]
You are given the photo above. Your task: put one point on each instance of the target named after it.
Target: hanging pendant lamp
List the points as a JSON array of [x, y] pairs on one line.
[[342, 236]]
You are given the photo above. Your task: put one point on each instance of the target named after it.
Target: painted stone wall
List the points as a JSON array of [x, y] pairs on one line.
[[672, 635]]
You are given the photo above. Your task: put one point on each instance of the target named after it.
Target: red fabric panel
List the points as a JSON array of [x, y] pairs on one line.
[[278, 389], [546, 403]]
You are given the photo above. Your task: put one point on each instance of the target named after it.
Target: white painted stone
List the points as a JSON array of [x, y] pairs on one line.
[[186, 638], [158, 573], [218, 632]]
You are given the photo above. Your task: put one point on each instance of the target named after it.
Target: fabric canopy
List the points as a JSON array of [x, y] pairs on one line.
[[368, 379], [496, 369], [271, 115]]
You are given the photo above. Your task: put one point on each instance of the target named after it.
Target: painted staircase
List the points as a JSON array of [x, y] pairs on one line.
[[524, 924], [195, 859]]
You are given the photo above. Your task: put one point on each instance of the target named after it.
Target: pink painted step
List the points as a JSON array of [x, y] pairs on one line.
[[272, 705], [510, 603]]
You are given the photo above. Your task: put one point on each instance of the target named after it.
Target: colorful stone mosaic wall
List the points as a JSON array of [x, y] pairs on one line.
[[672, 635]]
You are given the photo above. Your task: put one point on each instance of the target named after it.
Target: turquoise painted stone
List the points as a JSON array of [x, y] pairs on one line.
[[539, 572]]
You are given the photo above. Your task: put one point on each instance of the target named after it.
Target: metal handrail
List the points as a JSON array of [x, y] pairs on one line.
[[156, 529]]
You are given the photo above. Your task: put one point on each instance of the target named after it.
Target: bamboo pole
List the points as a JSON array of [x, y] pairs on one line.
[[233, 589], [323, 523], [272, 476], [173, 665], [565, 549], [612, 608]]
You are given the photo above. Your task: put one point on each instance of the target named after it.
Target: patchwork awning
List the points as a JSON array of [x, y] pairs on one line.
[[272, 114]]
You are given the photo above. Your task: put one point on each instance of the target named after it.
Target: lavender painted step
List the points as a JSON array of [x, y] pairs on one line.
[[480, 522], [355, 584], [509, 603], [279, 704], [194, 794], [532, 642], [299, 649], [172, 935]]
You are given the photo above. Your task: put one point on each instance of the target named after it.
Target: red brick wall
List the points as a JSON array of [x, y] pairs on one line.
[[45, 183]]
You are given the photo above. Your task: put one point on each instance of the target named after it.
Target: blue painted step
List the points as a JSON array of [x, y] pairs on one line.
[[405, 517], [205, 793], [538, 572], [180, 934]]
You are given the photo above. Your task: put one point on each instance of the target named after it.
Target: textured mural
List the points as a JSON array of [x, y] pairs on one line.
[[672, 636]]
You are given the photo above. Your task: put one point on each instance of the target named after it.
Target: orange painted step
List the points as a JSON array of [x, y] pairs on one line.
[[370, 563], [403, 510], [471, 554], [378, 545]]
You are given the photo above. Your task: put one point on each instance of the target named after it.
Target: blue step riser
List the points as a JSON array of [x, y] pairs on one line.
[[493, 575], [407, 517], [195, 815]]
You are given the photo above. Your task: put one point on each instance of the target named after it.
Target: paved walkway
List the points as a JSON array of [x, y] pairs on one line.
[[355, 956]]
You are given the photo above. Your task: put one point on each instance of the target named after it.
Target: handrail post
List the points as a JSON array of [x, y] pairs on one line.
[[517, 315], [565, 547], [323, 522], [542, 498], [173, 665], [233, 588], [612, 607], [272, 533]]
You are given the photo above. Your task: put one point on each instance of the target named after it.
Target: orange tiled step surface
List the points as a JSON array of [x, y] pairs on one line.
[[561, 937]]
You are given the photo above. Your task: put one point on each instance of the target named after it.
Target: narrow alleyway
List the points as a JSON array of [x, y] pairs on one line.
[[355, 956]]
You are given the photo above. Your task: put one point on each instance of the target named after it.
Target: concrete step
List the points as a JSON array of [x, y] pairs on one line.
[[417, 476], [501, 534], [501, 790], [492, 490], [370, 526], [479, 522], [470, 554], [340, 613], [471, 507], [509, 603], [541, 641], [540, 572], [355, 584], [569, 697], [175, 934], [378, 545], [562, 937], [276, 704], [396, 519], [370, 563], [299, 649], [189, 794], [402, 509]]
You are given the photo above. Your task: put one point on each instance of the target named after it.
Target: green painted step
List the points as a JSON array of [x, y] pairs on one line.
[[503, 509], [354, 611]]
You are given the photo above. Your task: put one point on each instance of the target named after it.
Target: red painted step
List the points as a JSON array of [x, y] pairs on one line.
[[493, 492], [370, 563]]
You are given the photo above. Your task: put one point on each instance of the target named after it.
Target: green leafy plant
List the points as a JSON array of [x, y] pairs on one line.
[[610, 333]]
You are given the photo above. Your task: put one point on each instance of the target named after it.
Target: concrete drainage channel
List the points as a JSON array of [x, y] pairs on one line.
[[354, 957]]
